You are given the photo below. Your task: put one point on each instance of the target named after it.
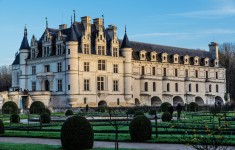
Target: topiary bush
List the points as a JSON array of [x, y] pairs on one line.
[[166, 116], [152, 112], [15, 118], [140, 129], [164, 106], [10, 107], [69, 112], [37, 107], [45, 118], [2, 130], [47, 110], [77, 133], [138, 113], [193, 106]]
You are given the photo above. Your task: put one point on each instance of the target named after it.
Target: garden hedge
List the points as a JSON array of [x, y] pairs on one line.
[[45, 118], [37, 107], [166, 116], [138, 113], [77, 133], [140, 129], [69, 112], [10, 107], [2, 130], [15, 118], [193, 106]]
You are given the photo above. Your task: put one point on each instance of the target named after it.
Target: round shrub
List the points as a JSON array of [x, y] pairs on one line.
[[164, 106], [77, 133], [47, 110], [193, 106], [37, 107], [138, 113], [45, 118], [130, 111], [152, 112], [166, 116], [69, 112], [15, 118], [10, 107], [2, 130], [140, 129]]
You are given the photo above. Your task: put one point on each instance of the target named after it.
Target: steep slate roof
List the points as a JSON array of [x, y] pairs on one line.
[[25, 43], [17, 60], [125, 42]]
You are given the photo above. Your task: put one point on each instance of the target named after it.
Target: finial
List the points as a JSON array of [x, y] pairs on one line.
[[103, 20], [74, 16], [25, 30], [46, 23], [125, 28]]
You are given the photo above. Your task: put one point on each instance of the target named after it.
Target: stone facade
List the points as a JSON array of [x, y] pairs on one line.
[[86, 64]]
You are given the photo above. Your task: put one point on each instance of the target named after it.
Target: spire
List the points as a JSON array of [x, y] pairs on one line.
[[74, 16], [46, 22], [25, 43], [125, 41], [72, 36]]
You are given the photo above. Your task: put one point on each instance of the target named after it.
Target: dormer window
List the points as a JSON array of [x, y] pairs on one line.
[[186, 59], [143, 55], [86, 49], [216, 64], [59, 49], [176, 56], [115, 52], [206, 61], [46, 51], [33, 53], [196, 60], [101, 50], [153, 56], [164, 57]]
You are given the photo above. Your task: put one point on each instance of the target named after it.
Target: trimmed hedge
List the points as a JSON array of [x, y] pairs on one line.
[[138, 113], [152, 112], [47, 110], [69, 112], [166, 116], [2, 130], [140, 129], [10, 107], [77, 133], [164, 106], [193, 106], [37, 107], [15, 118], [45, 118]]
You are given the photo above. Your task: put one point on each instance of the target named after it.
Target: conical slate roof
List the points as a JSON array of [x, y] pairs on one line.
[[72, 36], [125, 42], [25, 43]]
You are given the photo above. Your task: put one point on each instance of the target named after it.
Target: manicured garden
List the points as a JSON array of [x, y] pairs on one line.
[[194, 127]]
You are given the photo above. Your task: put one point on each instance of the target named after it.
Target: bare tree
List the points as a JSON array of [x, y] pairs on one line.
[[5, 78]]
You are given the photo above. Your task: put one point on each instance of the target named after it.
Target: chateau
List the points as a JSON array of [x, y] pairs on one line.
[[86, 64]]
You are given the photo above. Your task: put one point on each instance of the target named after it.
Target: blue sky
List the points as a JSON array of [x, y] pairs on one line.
[[181, 23]]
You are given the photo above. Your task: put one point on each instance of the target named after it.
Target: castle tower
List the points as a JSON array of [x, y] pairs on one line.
[[126, 51], [24, 53], [214, 50], [71, 82]]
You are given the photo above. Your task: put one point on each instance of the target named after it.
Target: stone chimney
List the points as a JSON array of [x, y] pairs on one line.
[[98, 23], [214, 50], [86, 21], [63, 26]]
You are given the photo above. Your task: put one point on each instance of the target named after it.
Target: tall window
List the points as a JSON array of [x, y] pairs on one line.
[[33, 86], [48, 51], [100, 83], [86, 66], [85, 100], [154, 71], [176, 87], [47, 68], [86, 85], [146, 86], [33, 70], [189, 88], [33, 53], [86, 49], [115, 85], [59, 85], [176, 72], [168, 87], [115, 52], [101, 64], [44, 51], [210, 88], [59, 67], [68, 51], [142, 70], [68, 67], [164, 72], [101, 50], [59, 49], [217, 88], [186, 73], [196, 87], [216, 75], [206, 74], [115, 68], [68, 87], [196, 73], [154, 86], [118, 101]]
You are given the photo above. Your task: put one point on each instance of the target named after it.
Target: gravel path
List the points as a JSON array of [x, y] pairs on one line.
[[103, 144]]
